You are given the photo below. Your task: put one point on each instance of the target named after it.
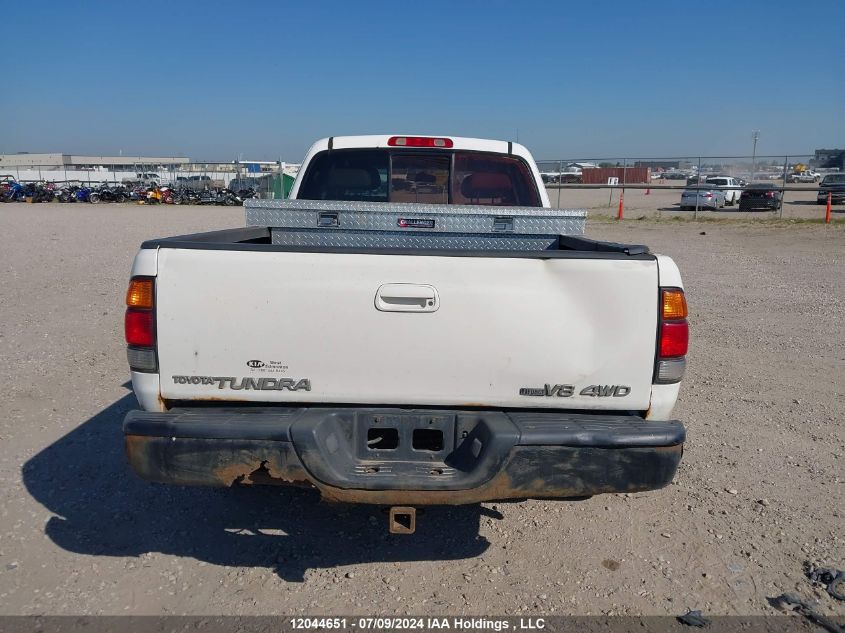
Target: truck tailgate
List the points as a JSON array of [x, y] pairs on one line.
[[398, 329]]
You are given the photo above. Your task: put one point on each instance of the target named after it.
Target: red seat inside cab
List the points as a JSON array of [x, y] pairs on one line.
[[496, 187]]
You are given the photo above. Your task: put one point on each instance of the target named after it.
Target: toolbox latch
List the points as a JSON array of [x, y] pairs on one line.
[[502, 224], [326, 220]]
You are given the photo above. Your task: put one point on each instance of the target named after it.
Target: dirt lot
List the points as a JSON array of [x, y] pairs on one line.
[[759, 492]]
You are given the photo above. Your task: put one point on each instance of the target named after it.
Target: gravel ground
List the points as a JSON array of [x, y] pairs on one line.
[[759, 492]]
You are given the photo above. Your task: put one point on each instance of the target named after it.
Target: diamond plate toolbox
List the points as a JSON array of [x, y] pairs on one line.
[[414, 239], [332, 215]]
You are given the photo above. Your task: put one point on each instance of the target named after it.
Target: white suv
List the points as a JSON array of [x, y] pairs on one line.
[[729, 186]]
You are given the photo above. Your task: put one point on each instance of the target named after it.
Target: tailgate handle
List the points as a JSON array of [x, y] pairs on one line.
[[503, 223], [327, 220], [407, 298]]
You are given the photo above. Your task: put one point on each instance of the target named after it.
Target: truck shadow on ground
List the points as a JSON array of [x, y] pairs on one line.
[[103, 509]]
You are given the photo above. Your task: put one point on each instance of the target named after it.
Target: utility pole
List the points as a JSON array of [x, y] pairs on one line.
[[755, 135]]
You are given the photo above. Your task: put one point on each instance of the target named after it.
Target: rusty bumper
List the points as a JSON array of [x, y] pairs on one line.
[[475, 455]]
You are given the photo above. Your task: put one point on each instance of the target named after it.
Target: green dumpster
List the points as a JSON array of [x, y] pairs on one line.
[[281, 186]]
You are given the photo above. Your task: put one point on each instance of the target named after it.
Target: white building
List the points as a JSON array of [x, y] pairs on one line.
[[76, 161]]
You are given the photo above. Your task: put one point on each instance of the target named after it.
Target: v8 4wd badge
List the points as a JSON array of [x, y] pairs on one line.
[[567, 391]]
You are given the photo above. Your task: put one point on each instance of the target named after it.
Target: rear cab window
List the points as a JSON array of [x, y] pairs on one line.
[[433, 177]]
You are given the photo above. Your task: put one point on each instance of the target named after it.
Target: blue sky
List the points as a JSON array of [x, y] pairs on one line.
[[215, 80]]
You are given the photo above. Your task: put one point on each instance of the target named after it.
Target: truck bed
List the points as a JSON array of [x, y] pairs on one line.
[[260, 238]]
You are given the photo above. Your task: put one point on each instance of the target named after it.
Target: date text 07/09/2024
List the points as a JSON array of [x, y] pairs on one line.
[[418, 623]]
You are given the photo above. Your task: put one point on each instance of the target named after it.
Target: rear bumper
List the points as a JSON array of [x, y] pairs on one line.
[[476, 456], [756, 205], [703, 203]]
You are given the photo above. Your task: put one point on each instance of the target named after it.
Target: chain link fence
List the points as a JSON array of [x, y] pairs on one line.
[[268, 180], [783, 186], [638, 187]]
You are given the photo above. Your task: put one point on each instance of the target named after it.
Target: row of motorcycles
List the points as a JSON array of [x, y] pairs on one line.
[[49, 192], [16, 192], [223, 197]]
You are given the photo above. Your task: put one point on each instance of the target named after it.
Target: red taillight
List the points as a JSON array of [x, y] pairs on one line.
[[419, 141], [770, 194], [139, 327], [674, 339], [708, 195]]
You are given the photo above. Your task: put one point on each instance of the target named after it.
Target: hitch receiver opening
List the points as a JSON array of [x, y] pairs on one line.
[[403, 520]]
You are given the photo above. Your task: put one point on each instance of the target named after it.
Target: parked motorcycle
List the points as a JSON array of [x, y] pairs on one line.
[[138, 194], [14, 193], [39, 192], [5, 184], [154, 195], [169, 196], [228, 198], [67, 193], [245, 194], [207, 196], [105, 193], [189, 196], [83, 194]]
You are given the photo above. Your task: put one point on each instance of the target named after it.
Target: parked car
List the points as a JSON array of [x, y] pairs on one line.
[[258, 184], [760, 195], [709, 197], [804, 176], [146, 179], [196, 183], [729, 186], [835, 185]]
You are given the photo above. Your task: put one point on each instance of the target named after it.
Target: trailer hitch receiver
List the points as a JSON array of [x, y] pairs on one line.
[[403, 520]]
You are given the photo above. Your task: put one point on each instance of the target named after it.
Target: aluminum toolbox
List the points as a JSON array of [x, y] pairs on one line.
[[411, 239], [395, 216], [387, 224]]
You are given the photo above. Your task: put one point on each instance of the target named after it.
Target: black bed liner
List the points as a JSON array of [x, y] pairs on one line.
[[258, 238]]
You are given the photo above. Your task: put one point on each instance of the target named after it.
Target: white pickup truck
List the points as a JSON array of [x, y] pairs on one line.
[[414, 326], [804, 176], [729, 186]]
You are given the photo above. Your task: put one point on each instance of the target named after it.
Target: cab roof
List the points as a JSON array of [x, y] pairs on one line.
[[458, 142]]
